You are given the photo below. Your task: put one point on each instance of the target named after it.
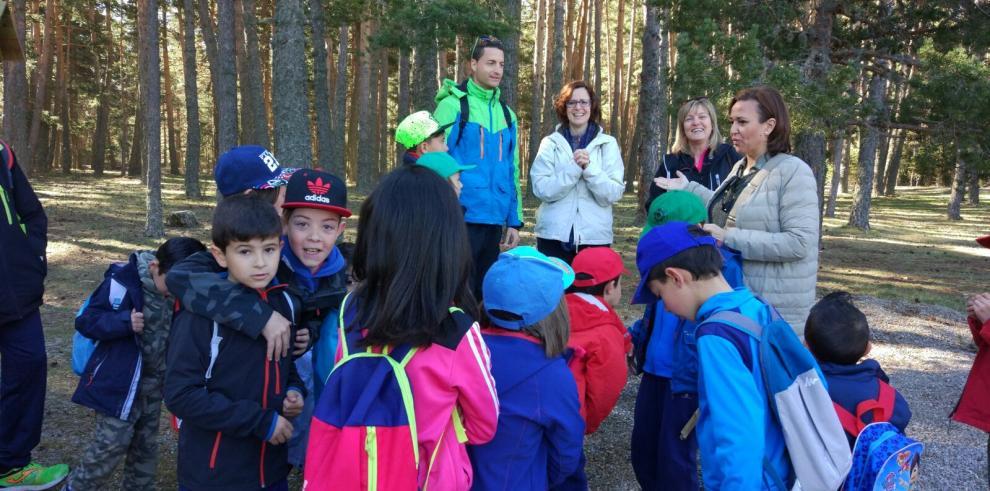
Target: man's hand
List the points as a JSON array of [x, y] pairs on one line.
[[292, 405], [511, 239], [283, 431], [302, 342], [276, 333], [137, 321]]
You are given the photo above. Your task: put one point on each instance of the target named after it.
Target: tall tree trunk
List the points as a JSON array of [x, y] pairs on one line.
[[337, 128], [627, 88], [365, 111], [151, 75], [860, 216], [537, 101], [615, 98], [173, 148], [226, 79], [512, 12], [890, 181], [65, 67], [837, 146], [555, 81], [883, 150], [424, 76], [321, 98], [208, 30], [405, 67], [101, 133], [192, 101], [973, 191], [577, 68], [124, 142], [254, 113], [652, 107], [548, 118], [289, 88], [598, 47], [137, 144], [246, 126], [15, 93], [383, 138], [36, 146], [958, 184], [568, 49]]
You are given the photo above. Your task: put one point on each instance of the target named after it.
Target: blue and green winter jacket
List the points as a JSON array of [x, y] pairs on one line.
[[491, 193]]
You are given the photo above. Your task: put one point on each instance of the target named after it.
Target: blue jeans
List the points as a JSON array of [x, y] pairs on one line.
[[23, 375]]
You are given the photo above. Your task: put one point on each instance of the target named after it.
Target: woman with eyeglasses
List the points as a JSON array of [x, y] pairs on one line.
[[767, 209], [698, 152], [577, 174]]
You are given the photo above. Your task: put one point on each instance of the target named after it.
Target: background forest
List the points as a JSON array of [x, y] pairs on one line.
[[881, 92]]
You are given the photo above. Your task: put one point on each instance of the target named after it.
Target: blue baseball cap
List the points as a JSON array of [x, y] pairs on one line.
[[249, 167], [660, 244], [526, 283]]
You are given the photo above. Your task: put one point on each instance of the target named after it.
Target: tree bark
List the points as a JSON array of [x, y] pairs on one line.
[[652, 107], [555, 81], [598, 47], [537, 100], [253, 105], [289, 88], [973, 191], [576, 69], [860, 216], [424, 76], [337, 128], [226, 79], [138, 143], [173, 148], [37, 148], [837, 146], [208, 30], [101, 132], [366, 113], [64, 68], [512, 11], [15, 93], [192, 101], [890, 181], [151, 74], [615, 98], [958, 185], [321, 98]]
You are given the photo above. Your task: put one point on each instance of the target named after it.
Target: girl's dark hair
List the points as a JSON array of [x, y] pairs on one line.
[[836, 331], [412, 259], [702, 262], [560, 103], [769, 104], [553, 331], [176, 249]]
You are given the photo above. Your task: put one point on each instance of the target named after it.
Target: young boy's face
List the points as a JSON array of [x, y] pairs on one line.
[[676, 296], [312, 234], [435, 143], [158, 277], [455, 181], [251, 263]]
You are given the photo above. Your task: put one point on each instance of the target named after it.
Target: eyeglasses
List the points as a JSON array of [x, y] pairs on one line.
[[578, 103], [485, 41], [696, 99]]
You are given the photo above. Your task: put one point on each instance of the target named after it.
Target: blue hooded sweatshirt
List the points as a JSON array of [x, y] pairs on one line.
[[540, 434], [736, 429], [849, 385]]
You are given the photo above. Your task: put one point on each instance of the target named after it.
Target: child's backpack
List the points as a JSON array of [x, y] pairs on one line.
[[363, 433], [884, 459], [799, 400], [881, 408]]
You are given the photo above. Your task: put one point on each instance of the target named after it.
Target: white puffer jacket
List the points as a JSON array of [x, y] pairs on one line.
[[777, 234], [573, 197]]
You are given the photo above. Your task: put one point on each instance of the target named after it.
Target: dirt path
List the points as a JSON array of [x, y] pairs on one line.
[[926, 350]]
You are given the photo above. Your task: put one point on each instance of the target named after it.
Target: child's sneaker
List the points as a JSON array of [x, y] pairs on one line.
[[34, 477]]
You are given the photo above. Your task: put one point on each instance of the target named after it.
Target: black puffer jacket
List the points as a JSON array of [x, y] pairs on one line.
[[714, 170], [23, 239]]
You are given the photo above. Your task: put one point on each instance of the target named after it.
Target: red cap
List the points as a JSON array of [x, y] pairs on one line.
[[984, 241], [600, 263]]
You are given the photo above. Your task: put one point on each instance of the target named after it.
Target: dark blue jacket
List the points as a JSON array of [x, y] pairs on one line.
[[540, 432], [849, 385], [23, 239], [714, 169], [110, 381], [227, 398]]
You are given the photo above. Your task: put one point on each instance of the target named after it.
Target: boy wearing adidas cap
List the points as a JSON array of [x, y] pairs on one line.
[[737, 434], [419, 133]]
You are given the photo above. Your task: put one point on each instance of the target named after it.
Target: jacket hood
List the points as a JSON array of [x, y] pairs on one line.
[[593, 311], [530, 358], [450, 88], [142, 261], [333, 264], [868, 369]]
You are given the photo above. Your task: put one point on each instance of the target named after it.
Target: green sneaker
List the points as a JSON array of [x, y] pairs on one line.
[[34, 477]]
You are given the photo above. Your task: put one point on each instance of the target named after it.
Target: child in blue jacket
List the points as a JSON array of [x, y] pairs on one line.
[[664, 447], [129, 316], [539, 440], [736, 431]]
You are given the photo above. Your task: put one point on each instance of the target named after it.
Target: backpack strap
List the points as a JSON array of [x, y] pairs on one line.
[[738, 320], [848, 420], [881, 408], [465, 113]]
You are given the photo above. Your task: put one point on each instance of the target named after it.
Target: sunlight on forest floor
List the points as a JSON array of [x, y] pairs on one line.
[[912, 252]]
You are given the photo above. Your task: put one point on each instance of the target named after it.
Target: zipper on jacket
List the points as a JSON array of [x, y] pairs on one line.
[[261, 465], [213, 454], [481, 131], [371, 447]]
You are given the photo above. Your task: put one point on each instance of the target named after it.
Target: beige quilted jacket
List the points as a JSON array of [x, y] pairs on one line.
[[777, 234]]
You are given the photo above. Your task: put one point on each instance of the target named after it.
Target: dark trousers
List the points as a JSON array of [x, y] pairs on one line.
[[282, 485], [23, 374], [660, 459], [484, 251], [562, 250]]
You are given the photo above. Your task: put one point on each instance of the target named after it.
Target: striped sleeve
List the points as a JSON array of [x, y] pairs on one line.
[[473, 379]]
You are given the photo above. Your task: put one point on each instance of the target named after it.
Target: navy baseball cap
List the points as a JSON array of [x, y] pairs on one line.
[[249, 167], [313, 188], [526, 283], [660, 244]]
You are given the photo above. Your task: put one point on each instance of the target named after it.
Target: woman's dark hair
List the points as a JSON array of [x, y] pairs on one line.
[[176, 249], [836, 331], [770, 105], [702, 262], [560, 103], [243, 217], [412, 259]]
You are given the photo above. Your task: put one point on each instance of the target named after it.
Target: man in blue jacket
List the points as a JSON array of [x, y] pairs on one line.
[[23, 361], [482, 131]]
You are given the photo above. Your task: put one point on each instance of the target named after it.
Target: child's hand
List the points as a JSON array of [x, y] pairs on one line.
[[137, 321], [715, 231], [292, 406], [276, 333], [981, 306], [282, 433], [301, 342]]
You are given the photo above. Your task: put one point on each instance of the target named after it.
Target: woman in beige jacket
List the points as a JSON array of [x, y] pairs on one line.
[[768, 208]]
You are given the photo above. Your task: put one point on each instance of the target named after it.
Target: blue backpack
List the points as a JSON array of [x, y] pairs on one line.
[[884, 459], [816, 444]]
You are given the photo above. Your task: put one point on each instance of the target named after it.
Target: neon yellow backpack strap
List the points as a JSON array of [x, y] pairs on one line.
[[455, 416], [341, 334]]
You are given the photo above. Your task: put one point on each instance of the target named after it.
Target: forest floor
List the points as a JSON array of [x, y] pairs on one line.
[[910, 273]]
